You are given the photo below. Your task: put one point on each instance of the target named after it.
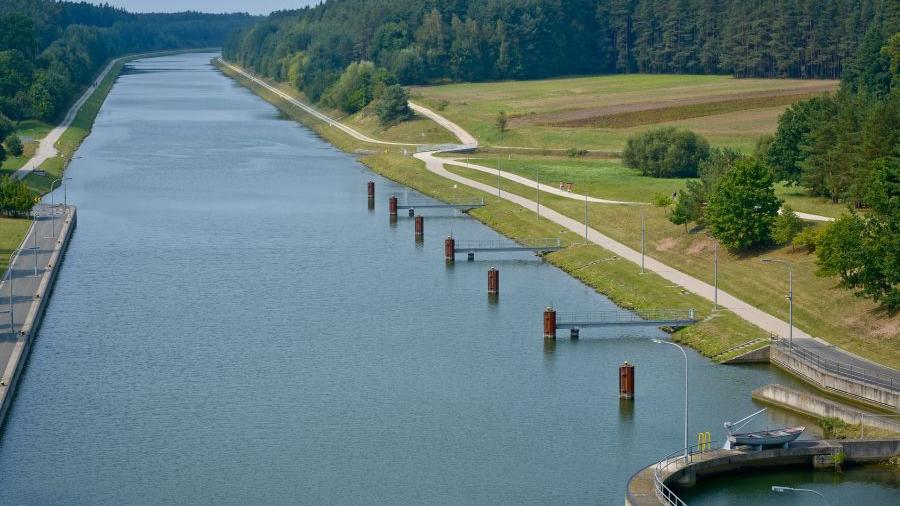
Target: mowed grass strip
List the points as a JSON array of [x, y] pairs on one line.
[[821, 307], [12, 232], [475, 106], [618, 279], [680, 112]]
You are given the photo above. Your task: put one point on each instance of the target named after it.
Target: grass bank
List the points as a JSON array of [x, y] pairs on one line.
[[821, 308], [610, 275]]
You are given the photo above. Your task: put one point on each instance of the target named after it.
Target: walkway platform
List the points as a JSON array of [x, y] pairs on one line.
[[656, 318]]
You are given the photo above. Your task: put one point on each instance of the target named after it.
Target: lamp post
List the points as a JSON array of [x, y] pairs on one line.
[[643, 234], [537, 179], [686, 448], [790, 296], [776, 488], [34, 246], [65, 193], [53, 211], [715, 272], [9, 277], [586, 242]]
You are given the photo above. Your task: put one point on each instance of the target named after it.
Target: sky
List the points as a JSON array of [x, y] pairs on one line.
[[251, 6]]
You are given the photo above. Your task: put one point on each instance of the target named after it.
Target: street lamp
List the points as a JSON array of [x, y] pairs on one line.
[[9, 277], [642, 239], [715, 272], [790, 296], [65, 193], [686, 448], [53, 210], [537, 178], [34, 246], [776, 488]]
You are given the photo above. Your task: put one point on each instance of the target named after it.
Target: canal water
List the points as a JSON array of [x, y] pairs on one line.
[[233, 325]]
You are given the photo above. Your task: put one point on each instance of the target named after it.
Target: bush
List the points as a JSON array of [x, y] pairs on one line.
[[666, 152], [393, 106], [662, 200], [576, 152], [743, 208], [808, 238], [501, 121], [787, 226], [14, 145]]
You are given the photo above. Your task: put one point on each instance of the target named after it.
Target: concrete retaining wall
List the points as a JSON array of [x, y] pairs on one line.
[[817, 406], [854, 389], [757, 356], [36, 312]]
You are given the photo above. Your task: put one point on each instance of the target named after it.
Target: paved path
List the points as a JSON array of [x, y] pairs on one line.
[[25, 283], [47, 147], [746, 311]]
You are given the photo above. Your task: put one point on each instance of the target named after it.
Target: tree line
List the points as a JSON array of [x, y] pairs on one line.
[[424, 41], [49, 50]]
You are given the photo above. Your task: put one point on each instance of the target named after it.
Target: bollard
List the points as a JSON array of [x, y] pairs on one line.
[[549, 323], [470, 256], [420, 226], [573, 334], [392, 206], [626, 381], [371, 186], [493, 281], [449, 249], [412, 212]]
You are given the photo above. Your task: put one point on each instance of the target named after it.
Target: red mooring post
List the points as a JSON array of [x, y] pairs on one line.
[[449, 249], [626, 381], [549, 323], [392, 206], [371, 189], [420, 226], [493, 281]]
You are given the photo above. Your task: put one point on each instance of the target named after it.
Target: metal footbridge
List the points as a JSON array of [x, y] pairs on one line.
[[650, 317], [462, 206], [471, 247]]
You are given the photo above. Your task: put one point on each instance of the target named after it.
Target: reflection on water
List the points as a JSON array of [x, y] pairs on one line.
[[232, 326]]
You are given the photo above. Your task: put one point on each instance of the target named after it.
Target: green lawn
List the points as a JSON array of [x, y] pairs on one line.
[[609, 179], [820, 306], [12, 232], [31, 131], [598, 268], [620, 102]]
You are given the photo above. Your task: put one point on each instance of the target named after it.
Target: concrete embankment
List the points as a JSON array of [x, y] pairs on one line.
[[818, 374], [642, 487], [52, 247], [816, 406]]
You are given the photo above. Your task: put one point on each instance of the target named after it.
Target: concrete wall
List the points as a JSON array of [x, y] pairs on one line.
[[33, 320], [854, 389], [863, 451], [817, 406], [757, 356]]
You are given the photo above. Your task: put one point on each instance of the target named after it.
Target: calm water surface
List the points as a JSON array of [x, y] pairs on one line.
[[232, 325]]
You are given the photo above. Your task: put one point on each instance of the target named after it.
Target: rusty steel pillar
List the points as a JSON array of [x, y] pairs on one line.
[[626, 381], [493, 281], [371, 187], [550, 323], [392, 206], [449, 249], [420, 226]]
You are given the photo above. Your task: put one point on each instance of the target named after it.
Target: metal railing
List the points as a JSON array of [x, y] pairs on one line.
[[666, 494], [847, 371], [500, 244], [640, 316]]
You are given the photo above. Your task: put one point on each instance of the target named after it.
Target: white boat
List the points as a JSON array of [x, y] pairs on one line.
[[769, 437]]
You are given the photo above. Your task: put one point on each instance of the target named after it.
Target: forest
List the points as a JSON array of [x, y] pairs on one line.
[[424, 41], [49, 50]]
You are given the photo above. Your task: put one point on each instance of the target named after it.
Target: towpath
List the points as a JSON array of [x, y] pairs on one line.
[[436, 164]]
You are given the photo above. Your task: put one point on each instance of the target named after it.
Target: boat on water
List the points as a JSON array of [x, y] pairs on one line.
[[759, 439]]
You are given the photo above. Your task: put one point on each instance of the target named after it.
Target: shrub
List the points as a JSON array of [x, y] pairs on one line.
[[787, 226], [808, 238], [576, 152], [743, 207], [393, 106], [661, 200], [666, 152], [501, 121], [14, 145]]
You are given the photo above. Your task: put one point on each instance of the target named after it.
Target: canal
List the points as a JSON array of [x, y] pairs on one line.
[[233, 325]]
